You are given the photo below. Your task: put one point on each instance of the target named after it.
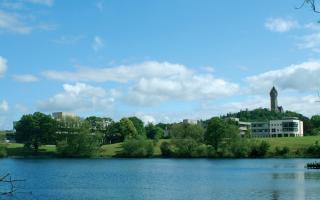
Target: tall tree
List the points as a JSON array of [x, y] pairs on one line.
[[35, 130], [139, 125], [220, 132], [127, 128]]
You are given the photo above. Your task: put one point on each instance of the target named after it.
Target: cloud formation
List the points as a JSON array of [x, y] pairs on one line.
[[3, 66], [27, 78], [79, 97], [280, 25], [155, 82], [13, 23], [302, 77], [4, 106]]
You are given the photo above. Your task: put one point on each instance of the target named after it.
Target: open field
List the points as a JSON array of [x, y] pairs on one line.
[[293, 143], [110, 150]]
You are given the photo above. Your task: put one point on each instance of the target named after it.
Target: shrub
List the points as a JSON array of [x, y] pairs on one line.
[[240, 149], [136, 147], [282, 151], [166, 150], [78, 145], [314, 150], [259, 149], [3, 151]]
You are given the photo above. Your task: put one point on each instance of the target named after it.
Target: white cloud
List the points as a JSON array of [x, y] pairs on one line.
[[154, 82], [3, 66], [80, 97], [280, 24], [311, 41], [97, 43], [303, 77], [122, 73], [13, 23], [202, 87], [4, 106], [146, 118], [25, 78], [41, 2]]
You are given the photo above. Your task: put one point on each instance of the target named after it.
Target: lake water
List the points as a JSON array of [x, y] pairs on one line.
[[163, 179]]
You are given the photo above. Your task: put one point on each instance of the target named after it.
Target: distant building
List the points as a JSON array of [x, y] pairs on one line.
[[244, 127], [274, 101], [190, 121], [62, 115], [288, 127]]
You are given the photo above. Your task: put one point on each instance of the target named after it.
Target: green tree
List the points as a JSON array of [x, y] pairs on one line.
[[138, 124], [35, 130], [137, 147], [81, 144], [98, 124], [220, 132], [127, 129], [113, 133], [153, 132], [187, 131]]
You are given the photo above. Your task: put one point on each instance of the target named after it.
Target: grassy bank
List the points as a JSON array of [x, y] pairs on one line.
[[295, 144]]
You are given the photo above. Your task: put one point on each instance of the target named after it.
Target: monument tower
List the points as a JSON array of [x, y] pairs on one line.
[[274, 100]]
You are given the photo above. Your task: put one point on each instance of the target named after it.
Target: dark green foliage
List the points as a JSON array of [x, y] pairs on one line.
[[187, 131], [98, 124], [166, 150], [138, 124], [259, 150], [137, 148], [113, 133], [183, 148], [153, 132], [220, 133], [82, 144], [284, 151], [35, 130], [241, 148], [127, 129], [314, 150], [3, 152]]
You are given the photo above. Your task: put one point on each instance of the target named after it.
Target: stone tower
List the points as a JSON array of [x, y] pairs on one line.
[[274, 99]]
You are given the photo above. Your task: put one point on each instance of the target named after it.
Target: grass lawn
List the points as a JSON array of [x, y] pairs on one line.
[[17, 149], [110, 150], [294, 143]]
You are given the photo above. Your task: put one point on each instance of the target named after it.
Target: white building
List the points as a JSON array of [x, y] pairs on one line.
[[190, 121], [288, 127]]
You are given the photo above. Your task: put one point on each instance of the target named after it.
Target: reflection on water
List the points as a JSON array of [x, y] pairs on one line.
[[159, 179]]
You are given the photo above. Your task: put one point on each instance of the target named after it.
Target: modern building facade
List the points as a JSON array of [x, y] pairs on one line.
[[288, 127]]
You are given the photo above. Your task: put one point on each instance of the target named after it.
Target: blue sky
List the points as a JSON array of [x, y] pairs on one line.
[[159, 60]]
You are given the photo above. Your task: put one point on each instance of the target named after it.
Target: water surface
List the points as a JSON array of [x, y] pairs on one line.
[[159, 179]]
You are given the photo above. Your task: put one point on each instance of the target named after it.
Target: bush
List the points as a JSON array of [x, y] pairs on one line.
[[314, 150], [282, 151], [166, 150], [78, 145], [137, 148], [240, 149], [259, 149], [3, 151]]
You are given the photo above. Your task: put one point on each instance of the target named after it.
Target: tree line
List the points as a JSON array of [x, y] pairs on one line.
[[216, 137]]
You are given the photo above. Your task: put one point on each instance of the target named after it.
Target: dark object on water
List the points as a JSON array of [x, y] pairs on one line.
[[313, 165]]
